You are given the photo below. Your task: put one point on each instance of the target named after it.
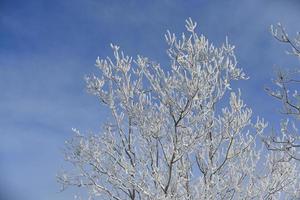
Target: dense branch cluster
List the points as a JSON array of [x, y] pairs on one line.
[[174, 132]]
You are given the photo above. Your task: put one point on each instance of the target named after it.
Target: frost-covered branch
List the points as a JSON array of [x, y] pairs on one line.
[[287, 82]]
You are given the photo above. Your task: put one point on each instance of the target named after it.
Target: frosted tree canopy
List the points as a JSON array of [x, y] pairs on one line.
[[177, 132]]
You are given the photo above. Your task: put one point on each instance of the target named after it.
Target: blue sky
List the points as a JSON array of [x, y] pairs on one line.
[[46, 48]]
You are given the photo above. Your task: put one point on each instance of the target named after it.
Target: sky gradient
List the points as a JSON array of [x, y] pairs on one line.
[[47, 47]]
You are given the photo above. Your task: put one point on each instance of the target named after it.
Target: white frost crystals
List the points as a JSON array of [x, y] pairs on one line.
[[170, 136]]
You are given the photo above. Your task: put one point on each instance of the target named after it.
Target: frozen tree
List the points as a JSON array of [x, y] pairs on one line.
[[287, 83], [177, 132]]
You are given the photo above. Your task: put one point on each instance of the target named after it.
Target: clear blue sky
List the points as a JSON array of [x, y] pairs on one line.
[[46, 48]]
